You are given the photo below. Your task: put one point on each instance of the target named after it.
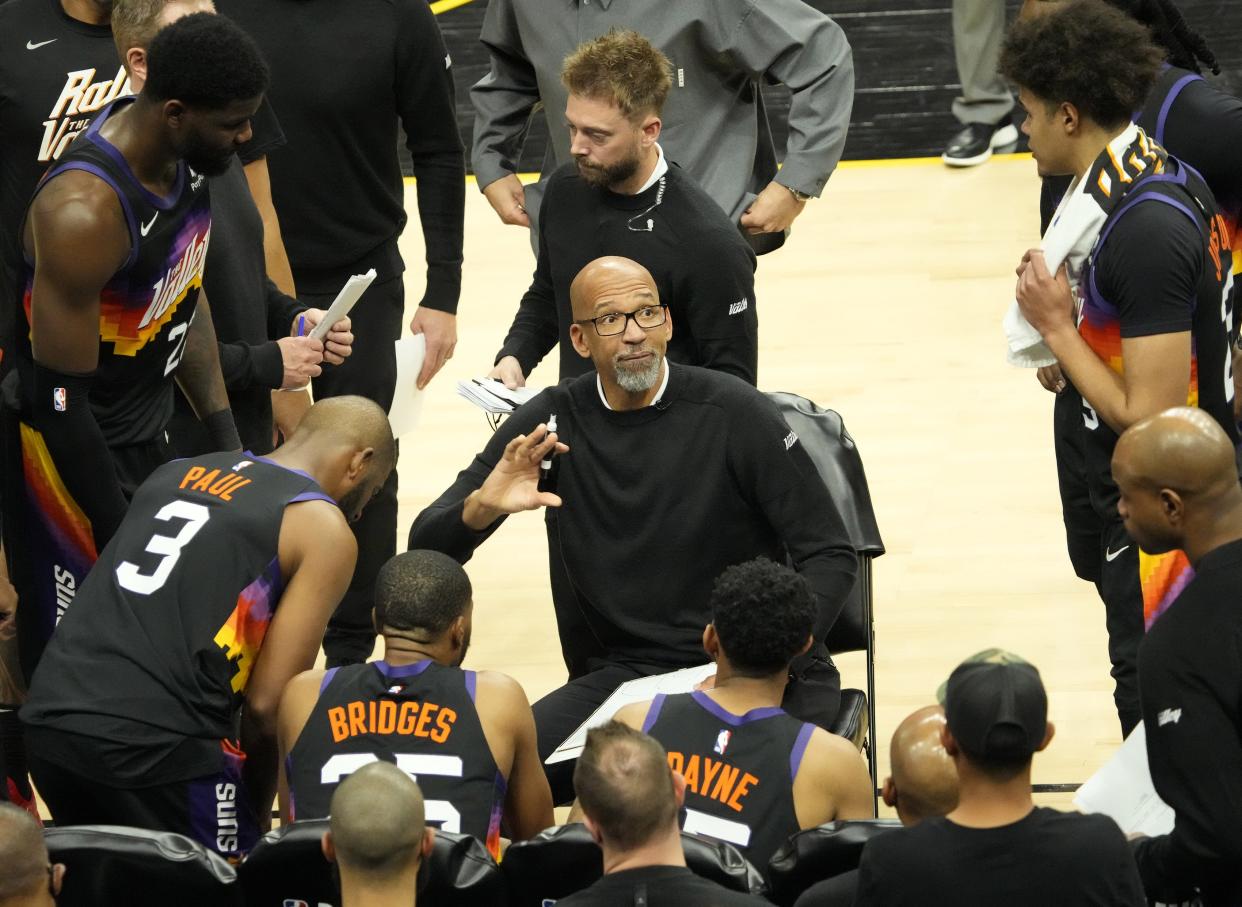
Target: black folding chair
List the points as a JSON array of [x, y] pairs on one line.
[[112, 864], [834, 453], [815, 854]]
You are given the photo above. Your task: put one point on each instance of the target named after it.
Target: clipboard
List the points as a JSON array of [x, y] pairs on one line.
[[344, 303]]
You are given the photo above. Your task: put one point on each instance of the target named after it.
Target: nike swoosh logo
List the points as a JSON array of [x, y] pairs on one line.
[[32, 46], [1111, 556], [146, 228]]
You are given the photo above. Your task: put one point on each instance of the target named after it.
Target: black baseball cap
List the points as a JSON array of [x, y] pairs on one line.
[[995, 706]]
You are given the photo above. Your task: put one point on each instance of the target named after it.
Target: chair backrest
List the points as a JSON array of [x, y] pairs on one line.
[[835, 455], [288, 867], [815, 854], [112, 864], [561, 860]]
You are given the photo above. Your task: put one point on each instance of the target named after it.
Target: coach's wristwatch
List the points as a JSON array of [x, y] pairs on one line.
[[800, 196]]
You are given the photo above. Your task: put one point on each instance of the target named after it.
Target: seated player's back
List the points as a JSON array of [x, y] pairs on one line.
[[151, 656], [423, 717], [751, 779]]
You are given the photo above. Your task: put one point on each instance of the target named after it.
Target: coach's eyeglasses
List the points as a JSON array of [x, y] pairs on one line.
[[613, 323]]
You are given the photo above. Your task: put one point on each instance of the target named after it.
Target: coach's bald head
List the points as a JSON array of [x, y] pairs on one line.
[[346, 443], [1178, 478], [26, 874], [923, 783], [378, 832], [629, 353]]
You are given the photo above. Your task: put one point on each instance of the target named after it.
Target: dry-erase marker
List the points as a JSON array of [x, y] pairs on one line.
[[545, 465]]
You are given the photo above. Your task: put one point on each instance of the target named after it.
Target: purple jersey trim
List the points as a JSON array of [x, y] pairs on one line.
[[471, 683], [709, 704], [1168, 102], [312, 496], [327, 678], [93, 135], [289, 774], [799, 749], [95, 170], [653, 713], [402, 670], [302, 472]]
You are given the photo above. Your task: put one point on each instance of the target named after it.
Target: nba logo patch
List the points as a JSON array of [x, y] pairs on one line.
[[60, 399], [722, 741]]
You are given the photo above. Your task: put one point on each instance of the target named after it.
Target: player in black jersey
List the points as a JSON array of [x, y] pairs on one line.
[[212, 595], [115, 240], [467, 737], [56, 69], [754, 774], [1154, 327]]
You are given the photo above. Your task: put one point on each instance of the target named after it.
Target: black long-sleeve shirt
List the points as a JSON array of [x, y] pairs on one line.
[[342, 76], [657, 502], [1190, 677], [704, 271]]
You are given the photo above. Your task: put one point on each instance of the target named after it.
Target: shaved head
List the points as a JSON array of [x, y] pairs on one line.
[[1178, 478], [605, 277], [924, 776], [352, 420], [377, 822], [1182, 448], [23, 855]]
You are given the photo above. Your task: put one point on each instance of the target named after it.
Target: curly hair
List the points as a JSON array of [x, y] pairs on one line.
[[622, 68], [763, 613], [204, 60], [1184, 47], [1087, 53], [421, 590]]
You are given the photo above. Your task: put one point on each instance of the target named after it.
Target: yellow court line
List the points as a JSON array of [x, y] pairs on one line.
[[844, 165], [443, 6]]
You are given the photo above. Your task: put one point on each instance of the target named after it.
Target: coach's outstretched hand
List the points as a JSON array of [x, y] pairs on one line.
[[513, 484]]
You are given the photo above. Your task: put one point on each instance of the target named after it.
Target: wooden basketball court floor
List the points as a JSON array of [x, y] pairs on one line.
[[884, 305]]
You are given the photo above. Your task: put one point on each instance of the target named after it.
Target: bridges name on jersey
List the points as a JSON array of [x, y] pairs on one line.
[[80, 97]]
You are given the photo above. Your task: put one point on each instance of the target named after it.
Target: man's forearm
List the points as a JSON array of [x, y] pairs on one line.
[[259, 771], [441, 191], [1102, 388], [201, 381]]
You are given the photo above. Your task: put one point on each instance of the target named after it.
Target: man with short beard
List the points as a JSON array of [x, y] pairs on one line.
[[663, 475], [620, 196]]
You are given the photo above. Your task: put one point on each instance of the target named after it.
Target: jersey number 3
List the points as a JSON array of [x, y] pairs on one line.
[[131, 577]]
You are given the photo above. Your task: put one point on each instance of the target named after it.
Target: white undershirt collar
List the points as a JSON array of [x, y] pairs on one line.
[[599, 386], [661, 168]]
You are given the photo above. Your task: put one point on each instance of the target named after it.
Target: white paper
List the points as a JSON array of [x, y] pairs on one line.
[[407, 402], [640, 690], [1122, 789], [344, 302], [492, 396]]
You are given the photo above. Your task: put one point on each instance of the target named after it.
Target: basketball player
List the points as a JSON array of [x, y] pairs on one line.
[[212, 595], [1155, 326], [468, 737], [114, 241], [754, 774]]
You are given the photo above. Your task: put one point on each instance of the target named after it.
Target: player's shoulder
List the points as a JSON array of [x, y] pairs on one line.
[[634, 714], [498, 686], [304, 687], [318, 527]]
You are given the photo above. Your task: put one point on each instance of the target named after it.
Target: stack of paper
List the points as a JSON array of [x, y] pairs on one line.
[[1123, 789], [640, 690], [492, 396]]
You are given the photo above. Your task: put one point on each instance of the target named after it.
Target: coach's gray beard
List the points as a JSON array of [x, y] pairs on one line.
[[636, 379]]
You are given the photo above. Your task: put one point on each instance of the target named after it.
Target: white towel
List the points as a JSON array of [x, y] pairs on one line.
[[1068, 240]]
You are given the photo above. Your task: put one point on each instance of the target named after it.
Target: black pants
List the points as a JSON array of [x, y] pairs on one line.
[[371, 371], [1102, 553], [212, 809], [813, 694]]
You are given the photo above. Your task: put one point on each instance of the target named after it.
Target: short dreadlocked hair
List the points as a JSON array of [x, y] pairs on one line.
[[763, 613], [621, 68], [204, 60], [1087, 53]]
